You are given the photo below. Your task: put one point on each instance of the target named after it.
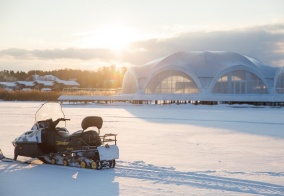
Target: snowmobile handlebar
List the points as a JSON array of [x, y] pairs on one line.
[[58, 120], [63, 119]]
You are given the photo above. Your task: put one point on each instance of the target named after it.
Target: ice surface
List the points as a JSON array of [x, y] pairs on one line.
[[164, 150]]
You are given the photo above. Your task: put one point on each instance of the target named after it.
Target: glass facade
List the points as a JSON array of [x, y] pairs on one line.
[[240, 82], [280, 83], [170, 82], [129, 83]]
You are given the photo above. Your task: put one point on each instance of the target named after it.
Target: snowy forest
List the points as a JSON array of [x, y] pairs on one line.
[[104, 77]]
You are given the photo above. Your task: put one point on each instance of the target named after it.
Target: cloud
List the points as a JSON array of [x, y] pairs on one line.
[[265, 43], [70, 53]]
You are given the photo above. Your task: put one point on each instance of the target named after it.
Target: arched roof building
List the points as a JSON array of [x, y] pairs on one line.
[[205, 76]]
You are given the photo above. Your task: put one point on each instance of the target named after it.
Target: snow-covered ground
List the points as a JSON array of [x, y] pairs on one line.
[[164, 150]]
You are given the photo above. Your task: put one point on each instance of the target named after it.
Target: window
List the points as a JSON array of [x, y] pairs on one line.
[[171, 82], [280, 84], [129, 83], [240, 82]]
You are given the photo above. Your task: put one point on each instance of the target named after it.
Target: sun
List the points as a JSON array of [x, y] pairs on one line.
[[115, 37]]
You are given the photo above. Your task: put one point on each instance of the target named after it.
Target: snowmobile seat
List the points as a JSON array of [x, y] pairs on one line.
[[77, 133], [92, 121]]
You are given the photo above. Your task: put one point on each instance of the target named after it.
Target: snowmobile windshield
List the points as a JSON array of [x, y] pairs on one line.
[[50, 111]]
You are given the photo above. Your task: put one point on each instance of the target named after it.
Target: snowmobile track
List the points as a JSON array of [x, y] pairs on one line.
[[168, 175], [140, 170]]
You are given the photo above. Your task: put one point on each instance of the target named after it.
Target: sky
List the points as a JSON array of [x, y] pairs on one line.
[[88, 34]]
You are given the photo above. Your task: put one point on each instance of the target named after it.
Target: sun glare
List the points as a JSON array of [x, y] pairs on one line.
[[115, 37]]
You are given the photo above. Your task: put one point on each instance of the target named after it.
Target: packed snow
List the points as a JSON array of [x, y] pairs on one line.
[[164, 150]]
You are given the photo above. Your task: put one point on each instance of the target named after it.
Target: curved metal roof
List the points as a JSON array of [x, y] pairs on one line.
[[207, 63]]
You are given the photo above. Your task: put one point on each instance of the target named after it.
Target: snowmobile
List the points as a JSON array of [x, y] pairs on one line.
[[50, 141]]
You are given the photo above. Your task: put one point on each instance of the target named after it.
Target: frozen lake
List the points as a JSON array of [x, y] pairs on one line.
[[164, 150]]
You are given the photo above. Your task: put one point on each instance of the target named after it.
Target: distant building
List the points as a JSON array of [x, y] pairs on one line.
[[43, 83], [8, 85], [24, 85], [205, 76]]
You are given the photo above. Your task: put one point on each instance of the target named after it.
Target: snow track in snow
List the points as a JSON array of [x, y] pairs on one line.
[[139, 170], [164, 175]]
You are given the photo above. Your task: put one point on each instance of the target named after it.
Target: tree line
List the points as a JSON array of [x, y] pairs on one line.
[[104, 77]]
